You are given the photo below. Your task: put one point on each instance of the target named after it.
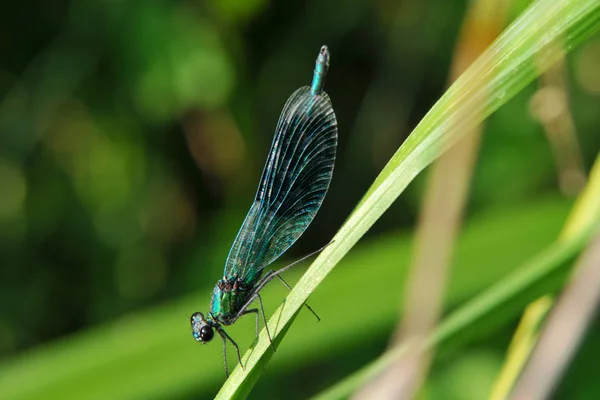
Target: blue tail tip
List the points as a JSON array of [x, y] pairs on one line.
[[324, 55]]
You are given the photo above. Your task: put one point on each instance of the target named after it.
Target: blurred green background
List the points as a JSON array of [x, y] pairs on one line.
[[132, 138]]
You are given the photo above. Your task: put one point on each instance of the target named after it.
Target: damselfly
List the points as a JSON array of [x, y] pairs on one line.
[[292, 187]]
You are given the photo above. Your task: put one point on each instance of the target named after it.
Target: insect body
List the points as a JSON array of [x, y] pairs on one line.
[[293, 185]]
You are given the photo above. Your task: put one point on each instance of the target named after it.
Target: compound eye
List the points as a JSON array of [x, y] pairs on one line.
[[206, 333], [197, 317]]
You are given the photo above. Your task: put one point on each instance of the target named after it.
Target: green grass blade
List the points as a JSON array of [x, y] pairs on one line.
[[151, 354], [508, 297], [521, 53], [584, 213]]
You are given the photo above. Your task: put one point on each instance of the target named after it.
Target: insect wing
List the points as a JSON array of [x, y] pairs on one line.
[[292, 187]]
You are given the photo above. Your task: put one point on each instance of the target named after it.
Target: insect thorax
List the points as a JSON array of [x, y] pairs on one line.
[[229, 296]]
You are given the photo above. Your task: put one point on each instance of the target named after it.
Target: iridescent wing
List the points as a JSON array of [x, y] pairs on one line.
[[292, 187]]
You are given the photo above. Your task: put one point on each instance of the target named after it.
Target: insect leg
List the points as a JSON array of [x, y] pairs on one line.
[[302, 259], [243, 311], [224, 353], [225, 338], [255, 294], [265, 321], [271, 274], [305, 304]]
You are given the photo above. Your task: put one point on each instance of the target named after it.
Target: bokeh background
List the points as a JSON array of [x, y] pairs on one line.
[[132, 138]]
